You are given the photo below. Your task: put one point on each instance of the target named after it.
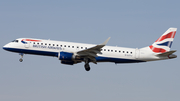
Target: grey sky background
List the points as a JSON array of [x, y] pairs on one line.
[[129, 23]]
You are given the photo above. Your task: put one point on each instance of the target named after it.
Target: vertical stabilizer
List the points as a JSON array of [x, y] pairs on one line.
[[163, 44]]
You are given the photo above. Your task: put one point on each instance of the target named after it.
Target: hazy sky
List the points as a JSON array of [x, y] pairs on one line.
[[129, 23]]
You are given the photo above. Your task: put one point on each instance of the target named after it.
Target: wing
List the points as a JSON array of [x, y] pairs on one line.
[[92, 52]]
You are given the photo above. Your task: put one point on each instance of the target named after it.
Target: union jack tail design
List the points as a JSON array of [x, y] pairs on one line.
[[163, 44]]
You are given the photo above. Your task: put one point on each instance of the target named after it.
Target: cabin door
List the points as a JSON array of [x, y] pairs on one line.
[[26, 45]]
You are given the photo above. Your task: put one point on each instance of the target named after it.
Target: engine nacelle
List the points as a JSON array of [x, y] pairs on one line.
[[67, 62], [69, 58], [66, 56]]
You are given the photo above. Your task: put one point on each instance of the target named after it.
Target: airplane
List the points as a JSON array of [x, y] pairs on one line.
[[71, 53]]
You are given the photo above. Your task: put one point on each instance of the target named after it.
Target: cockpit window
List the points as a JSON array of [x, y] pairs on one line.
[[15, 41]]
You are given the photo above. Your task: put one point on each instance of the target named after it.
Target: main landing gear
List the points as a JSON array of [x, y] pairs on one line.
[[21, 59], [86, 66]]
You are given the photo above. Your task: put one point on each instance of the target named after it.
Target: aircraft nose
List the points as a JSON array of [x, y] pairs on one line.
[[5, 47]]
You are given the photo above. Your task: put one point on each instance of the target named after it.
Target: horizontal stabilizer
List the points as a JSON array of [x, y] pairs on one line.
[[167, 53]]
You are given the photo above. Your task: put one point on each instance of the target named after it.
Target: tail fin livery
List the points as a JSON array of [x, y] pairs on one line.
[[163, 43]]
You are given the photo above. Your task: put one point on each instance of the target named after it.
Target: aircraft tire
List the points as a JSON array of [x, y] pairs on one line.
[[87, 67], [20, 60]]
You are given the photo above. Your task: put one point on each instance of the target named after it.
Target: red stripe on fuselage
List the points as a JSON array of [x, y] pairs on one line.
[[169, 35], [31, 40]]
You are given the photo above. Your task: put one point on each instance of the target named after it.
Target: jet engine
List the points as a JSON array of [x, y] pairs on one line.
[[68, 58]]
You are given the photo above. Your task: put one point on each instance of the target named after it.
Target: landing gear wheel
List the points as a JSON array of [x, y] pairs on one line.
[[87, 67], [20, 60]]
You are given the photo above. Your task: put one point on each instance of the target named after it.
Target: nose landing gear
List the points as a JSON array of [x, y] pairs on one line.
[[21, 59]]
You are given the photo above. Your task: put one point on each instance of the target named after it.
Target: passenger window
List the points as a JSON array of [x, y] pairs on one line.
[[38, 43], [104, 49], [69, 46], [72, 46], [127, 51], [131, 52], [45, 43], [119, 51], [64, 45], [123, 51], [61, 45], [77, 47], [108, 50], [49, 44], [34, 43], [41, 43], [115, 50], [81, 47], [53, 44], [57, 45], [111, 50], [86, 47]]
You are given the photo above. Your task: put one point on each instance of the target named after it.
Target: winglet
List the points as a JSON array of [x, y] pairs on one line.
[[105, 42]]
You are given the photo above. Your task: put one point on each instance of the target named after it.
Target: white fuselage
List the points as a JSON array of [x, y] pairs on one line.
[[70, 53], [108, 53]]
